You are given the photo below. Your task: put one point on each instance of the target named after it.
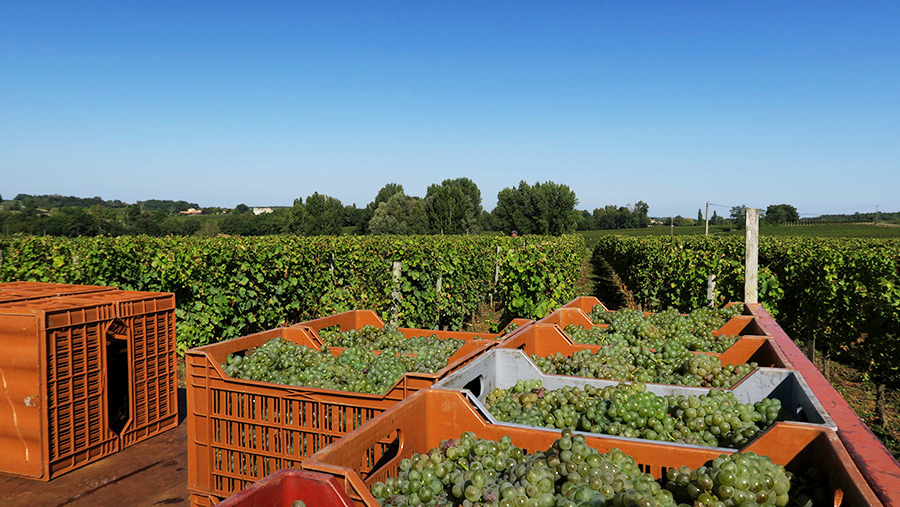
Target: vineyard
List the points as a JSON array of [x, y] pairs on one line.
[[230, 286], [842, 293], [711, 406]]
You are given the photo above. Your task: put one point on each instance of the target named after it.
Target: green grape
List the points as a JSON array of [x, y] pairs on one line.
[[712, 419], [373, 361], [672, 363], [631, 327]]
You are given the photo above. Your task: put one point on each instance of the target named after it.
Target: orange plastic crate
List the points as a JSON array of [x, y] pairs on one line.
[[744, 326], [145, 328], [547, 339], [373, 452], [754, 341], [22, 291], [54, 414], [587, 303], [356, 319], [283, 487], [241, 430]]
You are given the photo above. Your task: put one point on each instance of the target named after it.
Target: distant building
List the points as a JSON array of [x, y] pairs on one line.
[[260, 211], [191, 211]]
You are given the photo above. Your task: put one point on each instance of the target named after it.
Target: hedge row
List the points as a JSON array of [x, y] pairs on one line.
[[231, 286], [845, 293]]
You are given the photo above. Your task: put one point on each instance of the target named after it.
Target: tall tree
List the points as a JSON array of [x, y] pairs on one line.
[[401, 214], [781, 213], [545, 208], [586, 221], [320, 215], [641, 217], [738, 216], [700, 216], [623, 217], [454, 206], [323, 215], [368, 212]]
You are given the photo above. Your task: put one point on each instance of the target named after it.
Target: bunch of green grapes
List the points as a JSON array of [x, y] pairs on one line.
[[708, 371], [714, 419], [470, 471], [711, 318], [430, 352], [736, 479], [694, 331], [356, 369], [810, 489], [670, 364], [622, 362]]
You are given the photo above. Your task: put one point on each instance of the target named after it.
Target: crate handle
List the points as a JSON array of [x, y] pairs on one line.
[[117, 329], [475, 386], [478, 407], [394, 449], [293, 394]]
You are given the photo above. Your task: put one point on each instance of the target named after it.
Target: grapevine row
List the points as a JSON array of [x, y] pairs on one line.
[[232, 286]]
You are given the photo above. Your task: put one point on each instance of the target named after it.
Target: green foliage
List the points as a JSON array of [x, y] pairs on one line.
[[781, 213], [248, 224], [229, 287], [545, 208], [401, 214], [368, 212], [610, 217], [320, 215], [167, 205], [534, 279], [453, 207], [739, 216], [60, 201], [844, 292]]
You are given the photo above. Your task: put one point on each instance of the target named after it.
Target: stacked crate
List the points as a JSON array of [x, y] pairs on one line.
[[22, 291], [240, 431], [419, 422], [59, 411]]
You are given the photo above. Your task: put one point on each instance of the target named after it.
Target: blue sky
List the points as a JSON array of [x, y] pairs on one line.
[[672, 103]]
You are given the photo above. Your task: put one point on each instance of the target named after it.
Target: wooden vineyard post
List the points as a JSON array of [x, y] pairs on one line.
[[395, 294], [751, 271], [438, 286], [707, 220], [496, 276]]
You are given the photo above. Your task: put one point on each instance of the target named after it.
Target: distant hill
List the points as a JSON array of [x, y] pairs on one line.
[[64, 201], [68, 201], [856, 217]]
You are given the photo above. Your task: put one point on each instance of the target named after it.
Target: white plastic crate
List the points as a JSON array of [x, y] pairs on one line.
[[502, 368]]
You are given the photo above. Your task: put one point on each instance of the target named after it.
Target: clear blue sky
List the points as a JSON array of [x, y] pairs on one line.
[[672, 103]]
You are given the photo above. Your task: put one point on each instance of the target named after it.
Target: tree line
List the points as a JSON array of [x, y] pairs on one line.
[[453, 206]]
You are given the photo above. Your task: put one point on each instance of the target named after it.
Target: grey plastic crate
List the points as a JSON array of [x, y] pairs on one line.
[[502, 368]]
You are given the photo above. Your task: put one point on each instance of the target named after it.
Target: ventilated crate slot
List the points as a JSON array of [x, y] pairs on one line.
[[117, 369], [475, 386], [381, 453]]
